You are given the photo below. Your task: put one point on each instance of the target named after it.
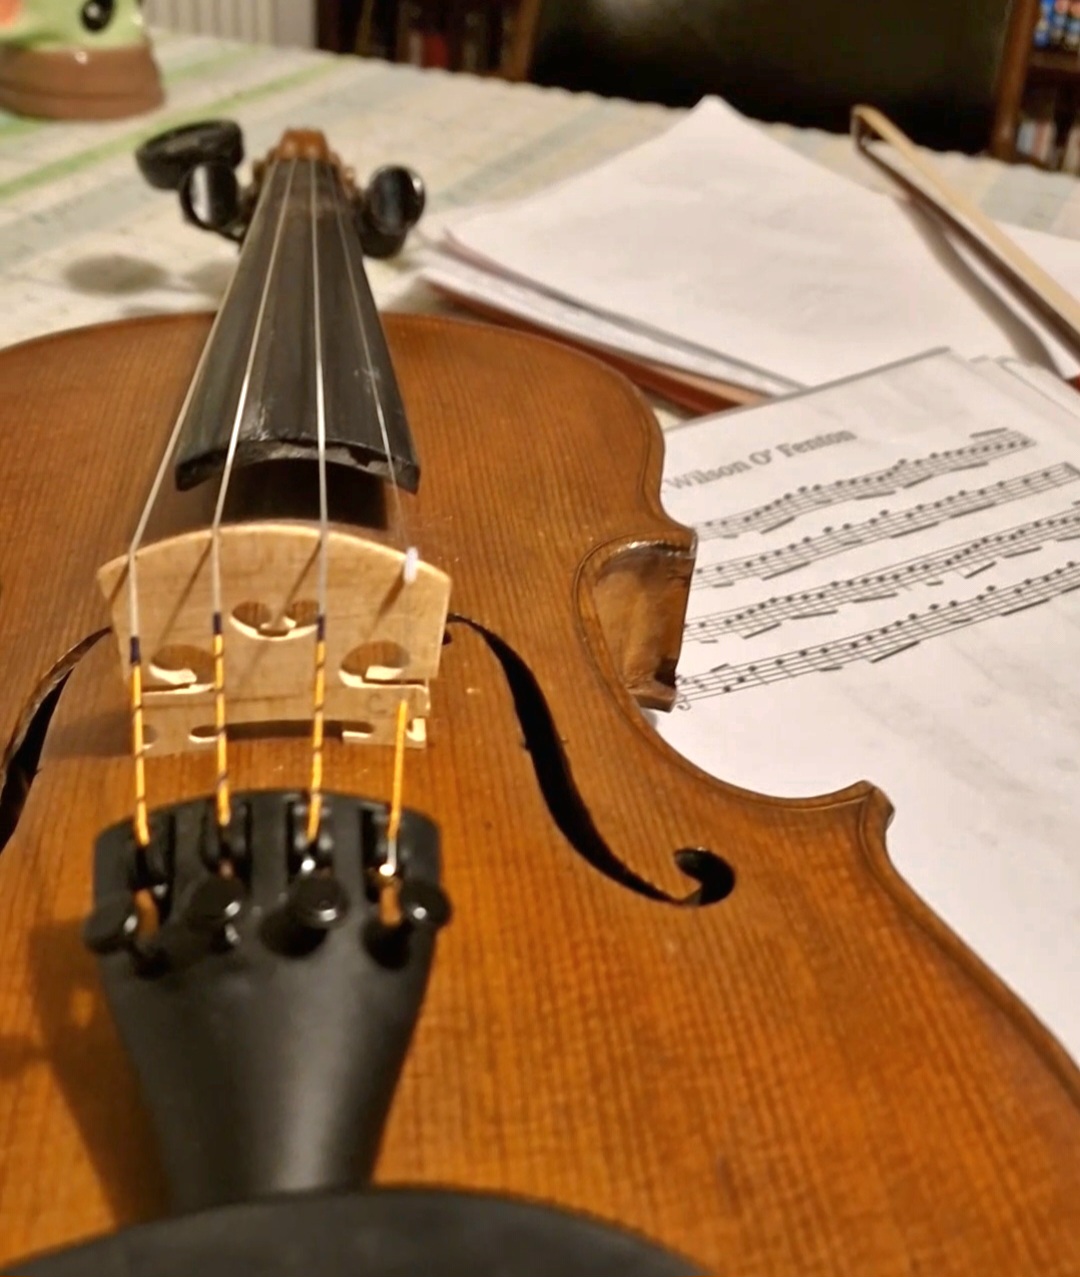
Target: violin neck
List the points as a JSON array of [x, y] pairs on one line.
[[297, 337]]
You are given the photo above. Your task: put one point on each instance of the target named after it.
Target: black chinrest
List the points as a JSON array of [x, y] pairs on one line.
[[379, 1233]]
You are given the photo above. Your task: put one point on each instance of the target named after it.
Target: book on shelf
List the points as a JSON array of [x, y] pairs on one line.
[[1057, 27], [1036, 138], [1049, 128], [1041, 37], [376, 34], [410, 32], [475, 48], [1059, 22], [473, 36], [1070, 156]]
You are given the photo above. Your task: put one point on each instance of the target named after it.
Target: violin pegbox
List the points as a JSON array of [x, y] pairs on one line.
[[385, 621], [199, 162]]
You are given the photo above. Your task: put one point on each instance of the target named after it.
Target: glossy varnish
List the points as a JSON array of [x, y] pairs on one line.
[[810, 1077]]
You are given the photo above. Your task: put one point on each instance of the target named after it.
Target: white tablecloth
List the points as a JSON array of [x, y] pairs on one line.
[[83, 239]]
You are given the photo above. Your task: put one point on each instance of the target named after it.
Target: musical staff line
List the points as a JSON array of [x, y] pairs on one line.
[[889, 640], [898, 477], [967, 559], [768, 564]]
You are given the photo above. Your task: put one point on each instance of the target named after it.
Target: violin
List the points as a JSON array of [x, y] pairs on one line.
[[353, 918]]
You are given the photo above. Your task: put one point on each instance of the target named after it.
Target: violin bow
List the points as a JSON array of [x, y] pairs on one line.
[[920, 180]]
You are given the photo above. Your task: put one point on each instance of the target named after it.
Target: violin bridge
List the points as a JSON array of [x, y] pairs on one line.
[[384, 634]]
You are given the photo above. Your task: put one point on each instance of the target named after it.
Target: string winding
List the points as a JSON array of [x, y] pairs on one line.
[[412, 555], [318, 726], [141, 817]]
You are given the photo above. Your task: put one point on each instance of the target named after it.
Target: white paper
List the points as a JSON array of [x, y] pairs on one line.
[[720, 236], [560, 316], [888, 585], [1046, 383]]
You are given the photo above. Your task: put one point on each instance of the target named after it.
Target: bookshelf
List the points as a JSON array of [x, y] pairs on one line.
[[484, 37], [1038, 111]]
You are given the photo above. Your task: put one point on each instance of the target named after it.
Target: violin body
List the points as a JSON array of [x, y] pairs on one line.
[[771, 1059]]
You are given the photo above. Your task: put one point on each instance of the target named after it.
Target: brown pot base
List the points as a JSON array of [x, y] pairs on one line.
[[80, 84]]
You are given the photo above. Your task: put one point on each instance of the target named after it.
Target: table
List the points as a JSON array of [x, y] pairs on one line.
[[83, 239]]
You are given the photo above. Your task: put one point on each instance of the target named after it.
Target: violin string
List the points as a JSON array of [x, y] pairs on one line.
[[412, 556], [315, 799], [369, 361], [389, 883], [393, 824], [138, 745], [222, 799], [141, 819]]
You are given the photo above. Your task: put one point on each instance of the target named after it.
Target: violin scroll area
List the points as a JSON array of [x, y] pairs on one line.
[[383, 633], [199, 161]]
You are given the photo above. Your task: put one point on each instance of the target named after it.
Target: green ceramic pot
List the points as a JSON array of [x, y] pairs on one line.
[[76, 59]]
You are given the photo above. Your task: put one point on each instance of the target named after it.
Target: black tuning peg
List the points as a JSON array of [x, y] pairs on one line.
[[213, 908], [199, 162], [389, 207], [167, 159], [210, 199]]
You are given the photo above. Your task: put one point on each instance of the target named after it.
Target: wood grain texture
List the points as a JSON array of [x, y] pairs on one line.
[[269, 582], [811, 1076]]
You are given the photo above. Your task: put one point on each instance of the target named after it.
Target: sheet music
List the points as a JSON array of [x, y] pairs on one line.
[[718, 235], [559, 315], [888, 588]]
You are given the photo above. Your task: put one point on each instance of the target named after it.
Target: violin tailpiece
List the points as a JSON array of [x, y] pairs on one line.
[[265, 1004]]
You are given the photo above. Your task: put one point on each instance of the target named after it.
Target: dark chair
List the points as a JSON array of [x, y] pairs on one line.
[[933, 65]]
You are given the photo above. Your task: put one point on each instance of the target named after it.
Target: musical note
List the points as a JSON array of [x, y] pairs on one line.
[[967, 559], [773, 563], [887, 641], [900, 476]]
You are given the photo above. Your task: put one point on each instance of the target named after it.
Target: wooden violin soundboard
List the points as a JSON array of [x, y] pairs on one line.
[[712, 1018]]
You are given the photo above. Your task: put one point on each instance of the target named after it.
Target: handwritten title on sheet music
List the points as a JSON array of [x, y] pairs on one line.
[[762, 457]]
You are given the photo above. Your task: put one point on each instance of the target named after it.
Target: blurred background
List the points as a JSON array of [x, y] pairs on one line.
[[996, 76]]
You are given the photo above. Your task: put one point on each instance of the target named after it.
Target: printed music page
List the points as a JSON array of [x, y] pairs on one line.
[[888, 589], [558, 315], [716, 235]]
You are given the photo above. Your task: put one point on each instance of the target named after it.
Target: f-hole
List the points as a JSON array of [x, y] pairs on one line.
[[714, 874]]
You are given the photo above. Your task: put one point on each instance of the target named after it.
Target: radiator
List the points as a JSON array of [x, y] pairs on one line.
[[286, 22]]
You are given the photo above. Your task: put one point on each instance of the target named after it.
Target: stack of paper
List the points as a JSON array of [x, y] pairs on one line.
[[717, 252], [888, 588]]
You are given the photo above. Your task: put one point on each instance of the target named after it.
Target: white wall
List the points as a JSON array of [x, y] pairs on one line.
[[288, 22]]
